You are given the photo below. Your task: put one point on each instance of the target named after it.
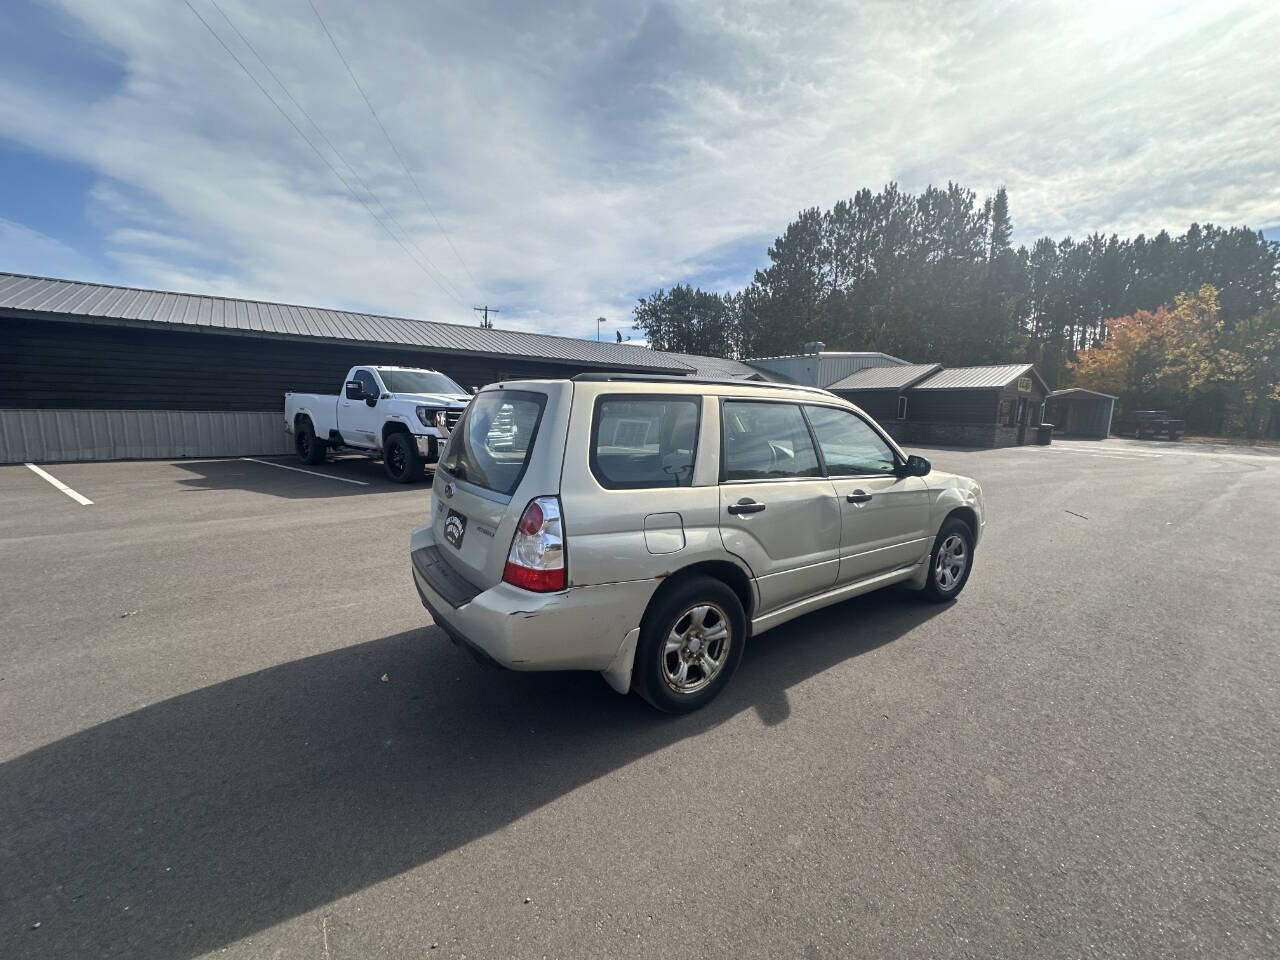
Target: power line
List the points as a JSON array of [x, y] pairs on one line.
[[347, 163], [391, 143], [317, 151]]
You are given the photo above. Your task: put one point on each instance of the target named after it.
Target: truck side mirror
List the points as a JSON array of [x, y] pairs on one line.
[[354, 390]]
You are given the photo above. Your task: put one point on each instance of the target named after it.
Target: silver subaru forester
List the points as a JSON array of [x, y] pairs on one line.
[[645, 527]]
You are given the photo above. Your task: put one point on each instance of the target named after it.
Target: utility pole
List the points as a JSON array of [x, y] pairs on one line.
[[486, 323]]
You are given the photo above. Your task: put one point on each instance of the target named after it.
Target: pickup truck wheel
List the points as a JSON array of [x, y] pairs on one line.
[[311, 449], [691, 643], [950, 561], [400, 459]]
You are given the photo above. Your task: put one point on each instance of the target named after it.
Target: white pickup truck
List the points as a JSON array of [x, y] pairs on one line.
[[401, 415]]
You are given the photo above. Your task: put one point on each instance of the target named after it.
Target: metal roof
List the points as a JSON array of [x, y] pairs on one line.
[[49, 298], [1082, 393], [822, 369], [979, 378], [886, 378], [716, 367]]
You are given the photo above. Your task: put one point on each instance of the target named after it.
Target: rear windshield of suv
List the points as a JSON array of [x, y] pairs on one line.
[[490, 446]]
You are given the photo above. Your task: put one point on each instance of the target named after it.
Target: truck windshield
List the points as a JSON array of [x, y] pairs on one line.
[[491, 446], [417, 381]]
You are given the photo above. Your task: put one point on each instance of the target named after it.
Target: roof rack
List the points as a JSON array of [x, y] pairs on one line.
[[600, 377]]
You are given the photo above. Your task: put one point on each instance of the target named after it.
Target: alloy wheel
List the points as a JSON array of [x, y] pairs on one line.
[[953, 557], [697, 648]]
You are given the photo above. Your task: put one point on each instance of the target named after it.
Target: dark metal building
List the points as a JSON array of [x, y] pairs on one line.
[[883, 392], [990, 406], [1077, 412], [89, 371]]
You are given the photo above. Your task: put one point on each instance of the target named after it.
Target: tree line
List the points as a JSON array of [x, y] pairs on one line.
[[934, 276]]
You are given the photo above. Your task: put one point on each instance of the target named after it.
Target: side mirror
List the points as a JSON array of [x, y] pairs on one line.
[[916, 466], [354, 390]]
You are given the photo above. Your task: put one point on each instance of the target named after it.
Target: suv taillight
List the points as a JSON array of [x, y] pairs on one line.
[[536, 559]]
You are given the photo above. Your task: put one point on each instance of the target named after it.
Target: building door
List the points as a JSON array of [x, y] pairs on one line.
[[1024, 409]]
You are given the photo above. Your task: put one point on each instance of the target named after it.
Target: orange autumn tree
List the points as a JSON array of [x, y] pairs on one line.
[[1154, 359], [1128, 361]]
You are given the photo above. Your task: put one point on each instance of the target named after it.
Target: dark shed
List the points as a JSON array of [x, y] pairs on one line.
[[1078, 412], [989, 406]]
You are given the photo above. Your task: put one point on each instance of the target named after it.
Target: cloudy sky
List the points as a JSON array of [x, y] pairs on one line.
[[564, 159]]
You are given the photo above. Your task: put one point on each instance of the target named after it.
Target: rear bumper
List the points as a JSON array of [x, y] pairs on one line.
[[581, 628]]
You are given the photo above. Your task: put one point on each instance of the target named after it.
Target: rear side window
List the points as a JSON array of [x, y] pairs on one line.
[[764, 441], [639, 442], [490, 446]]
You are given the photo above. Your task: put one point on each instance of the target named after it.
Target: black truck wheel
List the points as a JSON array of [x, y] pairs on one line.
[[311, 449], [400, 459]]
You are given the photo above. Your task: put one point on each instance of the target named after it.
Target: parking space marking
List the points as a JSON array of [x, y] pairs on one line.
[[1109, 456], [82, 500], [314, 473]]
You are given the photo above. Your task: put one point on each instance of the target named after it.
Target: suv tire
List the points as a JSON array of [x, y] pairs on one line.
[[950, 561], [310, 448], [692, 636], [400, 459]]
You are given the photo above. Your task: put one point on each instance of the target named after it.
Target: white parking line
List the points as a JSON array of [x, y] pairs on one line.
[[327, 476], [1109, 456], [83, 501]]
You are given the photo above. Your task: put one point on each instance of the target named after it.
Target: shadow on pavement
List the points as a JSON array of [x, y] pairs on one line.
[[280, 477], [199, 820]]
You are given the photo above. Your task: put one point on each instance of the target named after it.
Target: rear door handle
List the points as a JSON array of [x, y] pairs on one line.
[[858, 496], [745, 505]]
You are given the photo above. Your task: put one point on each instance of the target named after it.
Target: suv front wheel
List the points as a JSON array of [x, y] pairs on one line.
[[950, 561], [691, 642]]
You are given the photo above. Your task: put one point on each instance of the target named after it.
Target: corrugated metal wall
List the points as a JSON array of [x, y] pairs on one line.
[[820, 370], [1090, 418], [953, 406], [880, 405], [52, 364], [53, 435]]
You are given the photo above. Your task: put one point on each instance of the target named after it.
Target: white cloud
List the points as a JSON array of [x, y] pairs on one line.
[[579, 154], [23, 250]]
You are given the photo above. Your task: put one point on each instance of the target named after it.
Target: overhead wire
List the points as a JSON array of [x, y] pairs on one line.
[[329, 143], [414, 180], [323, 158]]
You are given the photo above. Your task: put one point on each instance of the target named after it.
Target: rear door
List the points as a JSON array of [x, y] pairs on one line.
[[473, 515], [884, 521], [777, 512]]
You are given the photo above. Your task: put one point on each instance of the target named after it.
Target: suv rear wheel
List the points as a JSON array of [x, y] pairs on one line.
[[691, 642]]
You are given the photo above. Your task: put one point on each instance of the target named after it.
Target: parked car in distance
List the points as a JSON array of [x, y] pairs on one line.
[[401, 415], [647, 527], [1148, 424]]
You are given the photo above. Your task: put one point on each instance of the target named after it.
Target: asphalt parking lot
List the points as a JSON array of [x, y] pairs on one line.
[[229, 727]]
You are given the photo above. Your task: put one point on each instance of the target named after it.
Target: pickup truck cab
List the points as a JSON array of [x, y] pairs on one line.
[[401, 415]]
